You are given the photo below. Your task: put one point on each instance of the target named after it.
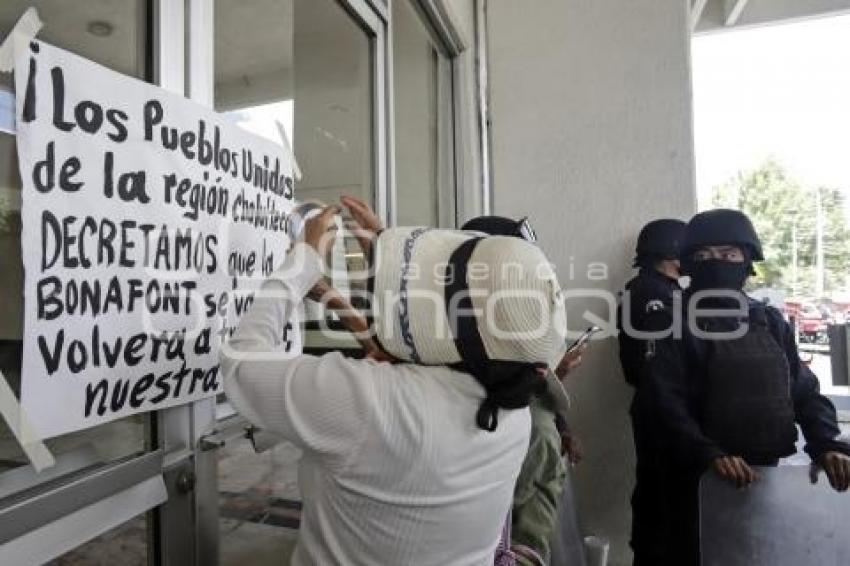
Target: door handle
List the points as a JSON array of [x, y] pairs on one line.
[[185, 481], [212, 441]]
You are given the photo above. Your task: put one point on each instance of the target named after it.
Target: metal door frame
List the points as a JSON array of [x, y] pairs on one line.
[[175, 536]]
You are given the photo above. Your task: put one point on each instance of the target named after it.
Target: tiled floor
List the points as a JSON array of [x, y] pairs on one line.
[[251, 544], [259, 504]]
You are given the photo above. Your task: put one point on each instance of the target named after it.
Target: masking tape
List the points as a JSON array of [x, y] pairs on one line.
[[24, 31], [296, 171], [32, 445]]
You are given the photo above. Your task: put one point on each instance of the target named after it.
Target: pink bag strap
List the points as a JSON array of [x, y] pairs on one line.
[[504, 554]]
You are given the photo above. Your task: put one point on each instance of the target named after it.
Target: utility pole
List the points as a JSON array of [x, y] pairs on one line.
[[794, 259], [819, 267]]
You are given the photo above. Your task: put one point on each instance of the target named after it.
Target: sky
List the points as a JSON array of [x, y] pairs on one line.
[[781, 91]]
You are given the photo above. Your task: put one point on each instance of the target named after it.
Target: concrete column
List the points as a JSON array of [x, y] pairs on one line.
[[592, 137]]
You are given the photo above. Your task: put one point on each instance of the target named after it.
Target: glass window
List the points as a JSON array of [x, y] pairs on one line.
[[334, 141], [112, 35], [333, 100], [315, 78], [306, 64], [423, 123]]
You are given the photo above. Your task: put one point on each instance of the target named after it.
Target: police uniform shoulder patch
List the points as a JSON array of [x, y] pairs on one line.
[[655, 305]]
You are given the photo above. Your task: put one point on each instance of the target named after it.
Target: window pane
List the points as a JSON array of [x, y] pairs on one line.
[[112, 35], [416, 96], [308, 65], [333, 103], [333, 132]]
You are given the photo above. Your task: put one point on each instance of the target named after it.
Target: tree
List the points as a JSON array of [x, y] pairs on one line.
[[784, 214], [836, 238]]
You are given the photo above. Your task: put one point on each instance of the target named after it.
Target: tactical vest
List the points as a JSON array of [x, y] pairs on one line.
[[746, 403]]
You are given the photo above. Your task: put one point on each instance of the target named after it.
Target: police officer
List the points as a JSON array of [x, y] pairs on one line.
[[726, 395], [650, 292], [646, 306]]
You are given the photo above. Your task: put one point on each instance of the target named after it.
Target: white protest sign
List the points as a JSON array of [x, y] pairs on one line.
[[148, 222]]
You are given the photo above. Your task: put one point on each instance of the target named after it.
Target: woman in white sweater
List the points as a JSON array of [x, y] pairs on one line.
[[404, 463]]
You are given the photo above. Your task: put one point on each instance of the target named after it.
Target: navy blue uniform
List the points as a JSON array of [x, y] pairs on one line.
[[673, 391], [649, 298], [648, 304]]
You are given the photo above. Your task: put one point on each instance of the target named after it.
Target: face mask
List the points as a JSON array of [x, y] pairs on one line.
[[718, 274]]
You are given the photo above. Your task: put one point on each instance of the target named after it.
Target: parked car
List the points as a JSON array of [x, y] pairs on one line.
[[811, 321]]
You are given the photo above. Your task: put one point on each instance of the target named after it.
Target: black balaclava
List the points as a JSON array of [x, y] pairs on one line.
[[645, 262], [650, 263], [718, 274]]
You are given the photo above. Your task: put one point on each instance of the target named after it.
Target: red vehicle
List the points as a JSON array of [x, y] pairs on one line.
[[810, 321]]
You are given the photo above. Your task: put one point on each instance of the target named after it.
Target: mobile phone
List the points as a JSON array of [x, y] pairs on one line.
[[584, 338]]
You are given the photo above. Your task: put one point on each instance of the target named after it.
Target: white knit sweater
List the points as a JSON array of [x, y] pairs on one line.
[[395, 472]]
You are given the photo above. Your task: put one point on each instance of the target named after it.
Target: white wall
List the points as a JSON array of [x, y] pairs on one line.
[[592, 137]]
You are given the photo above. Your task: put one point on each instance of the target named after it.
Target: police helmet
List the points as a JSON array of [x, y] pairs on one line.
[[722, 226], [660, 239]]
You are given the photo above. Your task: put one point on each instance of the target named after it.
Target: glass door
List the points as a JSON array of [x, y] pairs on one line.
[[309, 74]]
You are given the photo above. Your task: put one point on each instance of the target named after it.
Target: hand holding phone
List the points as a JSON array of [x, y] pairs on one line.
[[572, 357], [584, 338]]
